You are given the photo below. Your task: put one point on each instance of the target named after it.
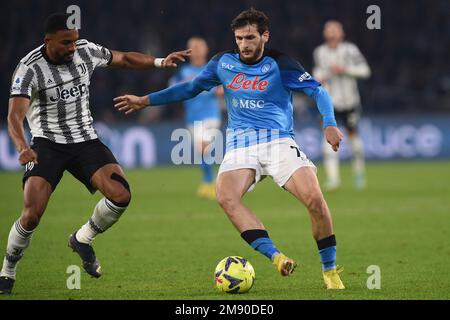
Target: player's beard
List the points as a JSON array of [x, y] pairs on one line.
[[255, 55], [64, 58]]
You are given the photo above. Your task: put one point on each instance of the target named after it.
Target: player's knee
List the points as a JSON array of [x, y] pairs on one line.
[[120, 197], [316, 204], [31, 215], [227, 201]]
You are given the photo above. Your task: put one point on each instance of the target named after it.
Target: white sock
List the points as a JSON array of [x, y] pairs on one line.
[[105, 215], [18, 241], [358, 162], [331, 163]]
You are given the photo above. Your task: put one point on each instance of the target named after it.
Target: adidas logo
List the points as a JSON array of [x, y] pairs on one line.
[[49, 81]]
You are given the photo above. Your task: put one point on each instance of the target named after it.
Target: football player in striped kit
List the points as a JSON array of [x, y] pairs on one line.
[[50, 87], [338, 66]]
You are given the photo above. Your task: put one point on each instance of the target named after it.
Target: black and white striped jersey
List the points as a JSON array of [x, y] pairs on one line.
[[59, 94], [342, 88]]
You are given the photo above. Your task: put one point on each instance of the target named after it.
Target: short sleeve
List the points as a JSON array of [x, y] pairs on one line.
[[22, 82], [100, 56]]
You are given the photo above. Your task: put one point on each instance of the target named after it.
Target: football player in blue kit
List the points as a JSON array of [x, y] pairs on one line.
[[258, 85], [202, 113]]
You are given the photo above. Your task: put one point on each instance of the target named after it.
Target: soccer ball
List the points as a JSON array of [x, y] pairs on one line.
[[234, 274]]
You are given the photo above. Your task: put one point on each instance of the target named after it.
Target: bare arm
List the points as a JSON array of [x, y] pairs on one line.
[[136, 60], [18, 108]]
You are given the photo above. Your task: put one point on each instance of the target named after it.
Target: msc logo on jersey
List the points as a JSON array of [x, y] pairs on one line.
[[240, 81], [305, 76], [247, 103], [65, 94], [265, 68]]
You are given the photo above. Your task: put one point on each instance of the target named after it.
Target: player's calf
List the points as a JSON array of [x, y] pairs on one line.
[[106, 213]]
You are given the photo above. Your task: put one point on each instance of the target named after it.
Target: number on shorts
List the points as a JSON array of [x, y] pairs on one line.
[[299, 154]]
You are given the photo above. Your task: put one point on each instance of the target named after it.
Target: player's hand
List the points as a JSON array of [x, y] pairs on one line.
[[130, 103], [171, 59], [334, 136], [27, 155], [337, 69]]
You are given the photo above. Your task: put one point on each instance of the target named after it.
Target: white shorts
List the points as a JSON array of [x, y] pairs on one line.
[[279, 159], [203, 131]]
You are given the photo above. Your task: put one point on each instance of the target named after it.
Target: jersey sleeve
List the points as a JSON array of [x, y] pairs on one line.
[[208, 78], [22, 82], [204, 81], [294, 76], [357, 66], [100, 56]]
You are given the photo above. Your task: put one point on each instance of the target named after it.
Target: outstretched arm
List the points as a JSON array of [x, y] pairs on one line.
[[136, 60], [206, 80], [179, 92]]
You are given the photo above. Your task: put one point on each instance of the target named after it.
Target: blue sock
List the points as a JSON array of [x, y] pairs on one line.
[[327, 252], [207, 172], [260, 241]]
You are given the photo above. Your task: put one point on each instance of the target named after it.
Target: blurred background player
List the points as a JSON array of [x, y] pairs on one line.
[[202, 113], [338, 65]]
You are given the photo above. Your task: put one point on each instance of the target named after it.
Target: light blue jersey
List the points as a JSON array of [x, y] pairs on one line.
[[205, 105], [258, 96]]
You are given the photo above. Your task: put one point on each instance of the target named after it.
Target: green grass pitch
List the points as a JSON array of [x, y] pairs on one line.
[[168, 242]]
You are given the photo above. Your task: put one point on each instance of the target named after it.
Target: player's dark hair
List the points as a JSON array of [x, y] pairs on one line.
[[249, 17], [56, 22]]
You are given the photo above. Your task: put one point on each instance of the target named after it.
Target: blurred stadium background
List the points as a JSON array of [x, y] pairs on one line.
[[400, 218], [406, 101]]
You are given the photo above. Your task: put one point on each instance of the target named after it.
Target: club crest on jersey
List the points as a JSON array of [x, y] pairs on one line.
[[265, 68], [240, 81], [83, 68], [65, 94]]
